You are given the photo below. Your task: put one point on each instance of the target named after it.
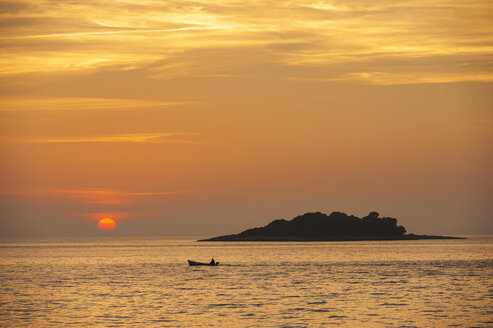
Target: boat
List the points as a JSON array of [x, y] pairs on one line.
[[193, 263]]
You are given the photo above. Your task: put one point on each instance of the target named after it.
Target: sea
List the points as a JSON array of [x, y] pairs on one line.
[[147, 282]]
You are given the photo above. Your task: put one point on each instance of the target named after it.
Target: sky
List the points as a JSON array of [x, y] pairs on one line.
[[203, 118]]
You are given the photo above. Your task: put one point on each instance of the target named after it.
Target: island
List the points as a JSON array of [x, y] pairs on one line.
[[337, 226]]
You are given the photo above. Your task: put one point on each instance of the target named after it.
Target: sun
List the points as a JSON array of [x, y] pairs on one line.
[[106, 224]]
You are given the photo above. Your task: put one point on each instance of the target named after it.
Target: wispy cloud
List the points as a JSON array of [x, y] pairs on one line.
[[103, 33], [386, 78], [104, 197], [67, 104], [161, 193], [161, 138], [38, 38]]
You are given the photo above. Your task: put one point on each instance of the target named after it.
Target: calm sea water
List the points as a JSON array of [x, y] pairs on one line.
[[148, 283]]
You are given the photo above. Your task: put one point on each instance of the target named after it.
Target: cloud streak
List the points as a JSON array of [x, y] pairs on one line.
[[71, 104], [103, 33], [104, 197], [157, 138]]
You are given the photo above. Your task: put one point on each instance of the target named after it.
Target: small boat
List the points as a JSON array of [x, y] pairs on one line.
[[193, 263]]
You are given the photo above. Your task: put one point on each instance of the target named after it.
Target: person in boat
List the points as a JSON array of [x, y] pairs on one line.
[[212, 262]]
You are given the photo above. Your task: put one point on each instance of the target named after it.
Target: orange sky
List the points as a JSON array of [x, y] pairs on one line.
[[206, 118]]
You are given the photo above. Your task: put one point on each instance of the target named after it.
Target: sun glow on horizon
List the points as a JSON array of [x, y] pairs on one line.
[[106, 224]]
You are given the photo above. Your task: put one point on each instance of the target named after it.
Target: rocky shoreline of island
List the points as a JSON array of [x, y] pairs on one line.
[[337, 226]]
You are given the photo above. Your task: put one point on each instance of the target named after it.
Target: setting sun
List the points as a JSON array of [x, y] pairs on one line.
[[106, 224]]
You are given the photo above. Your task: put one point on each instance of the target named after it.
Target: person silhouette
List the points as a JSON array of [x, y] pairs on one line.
[[212, 262]]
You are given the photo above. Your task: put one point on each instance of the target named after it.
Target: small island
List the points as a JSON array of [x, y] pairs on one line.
[[334, 227]]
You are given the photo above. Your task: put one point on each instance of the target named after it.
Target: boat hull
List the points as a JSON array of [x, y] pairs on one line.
[[195, 263]]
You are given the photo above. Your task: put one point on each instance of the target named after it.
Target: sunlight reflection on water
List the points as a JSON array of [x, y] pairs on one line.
[[147, 283]]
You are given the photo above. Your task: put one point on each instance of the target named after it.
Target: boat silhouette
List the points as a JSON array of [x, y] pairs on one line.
[[194, 263]]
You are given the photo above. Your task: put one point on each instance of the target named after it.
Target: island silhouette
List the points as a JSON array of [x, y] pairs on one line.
[[337, 226]]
